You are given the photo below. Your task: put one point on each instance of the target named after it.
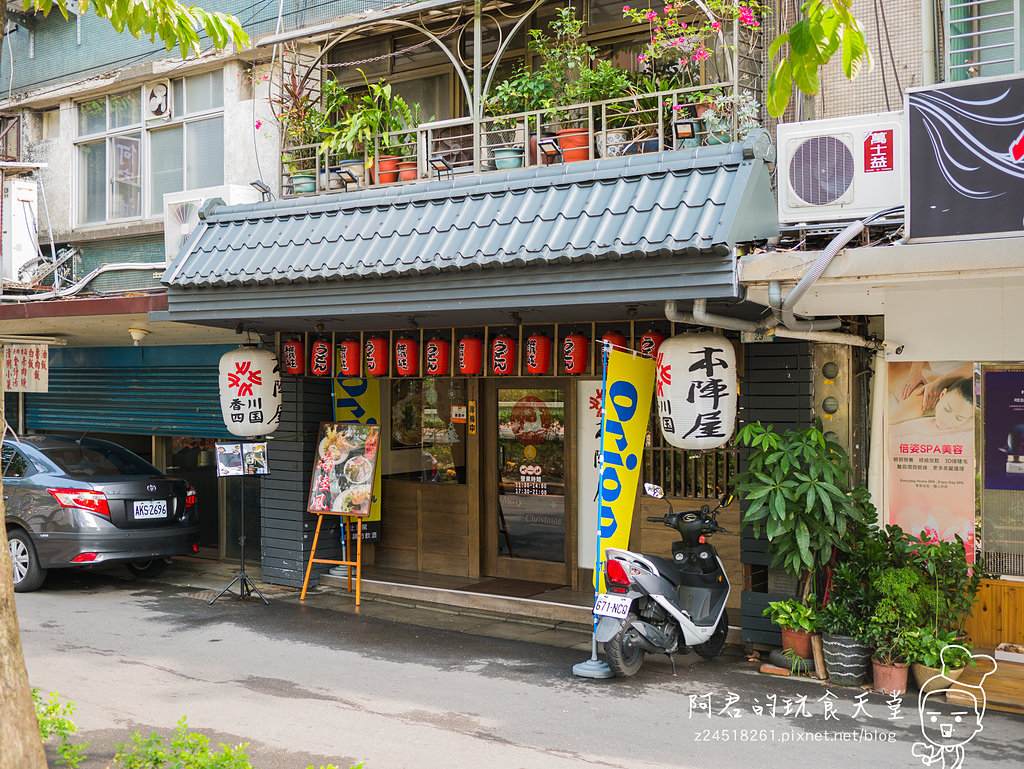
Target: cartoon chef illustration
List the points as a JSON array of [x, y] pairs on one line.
[[946, 730]]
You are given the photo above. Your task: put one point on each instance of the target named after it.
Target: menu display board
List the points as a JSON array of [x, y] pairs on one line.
[[346, 459]]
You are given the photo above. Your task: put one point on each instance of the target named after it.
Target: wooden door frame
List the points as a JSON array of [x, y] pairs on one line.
[[522, 568]]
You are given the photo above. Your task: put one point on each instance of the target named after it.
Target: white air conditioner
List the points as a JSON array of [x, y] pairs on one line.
[[840, 168], [19, 242], [157, 99], [181, 211]]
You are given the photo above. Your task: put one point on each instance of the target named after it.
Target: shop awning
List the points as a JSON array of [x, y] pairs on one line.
[[585, 233]]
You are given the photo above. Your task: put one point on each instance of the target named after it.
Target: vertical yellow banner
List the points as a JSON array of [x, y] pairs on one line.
[[626, 404], [357, 401]]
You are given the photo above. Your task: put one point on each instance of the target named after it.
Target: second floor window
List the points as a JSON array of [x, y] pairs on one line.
[[126, 164]]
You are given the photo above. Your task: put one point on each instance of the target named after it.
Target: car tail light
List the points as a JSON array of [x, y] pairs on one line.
[[93, 501], [190, 498], [84, 558], [616, 574]]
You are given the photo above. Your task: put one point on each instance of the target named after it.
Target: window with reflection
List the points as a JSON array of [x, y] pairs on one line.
[[427, 431]]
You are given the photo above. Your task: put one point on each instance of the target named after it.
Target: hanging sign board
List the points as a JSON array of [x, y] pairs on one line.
[[26, 368], [250, 391], [346, 460], [697, 391], [242, 459]]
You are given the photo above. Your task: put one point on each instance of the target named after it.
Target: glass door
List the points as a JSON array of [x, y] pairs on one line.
[[528, 524]]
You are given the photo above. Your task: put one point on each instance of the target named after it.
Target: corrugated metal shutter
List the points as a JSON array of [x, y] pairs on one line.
[[117, 390]]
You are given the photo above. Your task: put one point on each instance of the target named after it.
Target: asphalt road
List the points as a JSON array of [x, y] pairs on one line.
[[303, 684]]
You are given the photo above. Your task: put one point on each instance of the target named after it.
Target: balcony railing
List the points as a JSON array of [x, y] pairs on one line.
[[638, 123]]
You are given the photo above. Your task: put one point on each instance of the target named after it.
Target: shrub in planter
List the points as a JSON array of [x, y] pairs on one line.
[[937, 654], [798, 623]]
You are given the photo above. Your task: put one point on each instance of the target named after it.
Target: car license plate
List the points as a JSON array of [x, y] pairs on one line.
[[612, 605], [156, 508]]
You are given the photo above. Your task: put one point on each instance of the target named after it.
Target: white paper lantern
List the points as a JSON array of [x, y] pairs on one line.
[[250, 391], [697, 391]]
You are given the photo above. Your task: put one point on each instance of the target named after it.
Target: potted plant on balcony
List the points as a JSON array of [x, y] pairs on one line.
[[379, 115], [729, 111], [302, 123], [522, 91]]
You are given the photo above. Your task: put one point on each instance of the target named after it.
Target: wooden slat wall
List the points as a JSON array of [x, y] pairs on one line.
[[776, 390], [287, 529], [998, 614], [426, 527]]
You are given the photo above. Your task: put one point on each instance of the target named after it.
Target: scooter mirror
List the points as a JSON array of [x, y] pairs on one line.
[[653, 490], [727, 499]]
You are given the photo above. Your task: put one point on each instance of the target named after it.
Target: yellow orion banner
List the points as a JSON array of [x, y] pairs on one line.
[[626, 405], [357, 401]]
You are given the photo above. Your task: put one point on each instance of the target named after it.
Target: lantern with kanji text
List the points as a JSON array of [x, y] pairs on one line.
[[503, 355], [613, 340], [650, 341], [347, 352], [249, 381], [538, 354], [574, 353], [471, 352], [437, 357], [407, 357], [294, 353], [320, 358], [376, 354]]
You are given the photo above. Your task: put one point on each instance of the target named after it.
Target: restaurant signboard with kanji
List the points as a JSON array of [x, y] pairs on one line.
[[26, 368]]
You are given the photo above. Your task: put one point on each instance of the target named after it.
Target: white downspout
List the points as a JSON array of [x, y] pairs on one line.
[[927, 42]]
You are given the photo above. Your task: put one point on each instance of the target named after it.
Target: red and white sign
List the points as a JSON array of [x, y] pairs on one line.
[[26, 368], [249, 380], [878, 151]]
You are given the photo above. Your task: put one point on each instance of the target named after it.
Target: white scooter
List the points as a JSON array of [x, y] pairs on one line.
[[662, 605]]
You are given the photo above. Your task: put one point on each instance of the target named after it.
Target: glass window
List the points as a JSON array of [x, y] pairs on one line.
[[126, 192], [433, 94], [98, 459], [125, 109], [204, 165], [15, 464], [428, 431], [92, 182], [204, 92], [92, 117], [980, 38], [166, 165]]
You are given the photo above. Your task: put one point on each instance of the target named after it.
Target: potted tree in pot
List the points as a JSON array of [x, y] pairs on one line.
[[522, 91], [302, 123], [897, 613]]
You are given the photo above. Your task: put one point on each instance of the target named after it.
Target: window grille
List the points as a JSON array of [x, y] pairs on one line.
[[982, 38], [697, 474]]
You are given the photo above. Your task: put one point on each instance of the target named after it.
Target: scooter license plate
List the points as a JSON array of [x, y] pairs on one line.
[[612, 605]]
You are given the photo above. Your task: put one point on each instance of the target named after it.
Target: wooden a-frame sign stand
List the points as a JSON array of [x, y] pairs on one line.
[[357, 563]]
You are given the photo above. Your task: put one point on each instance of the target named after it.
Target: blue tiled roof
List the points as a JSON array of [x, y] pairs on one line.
[[690, 202]]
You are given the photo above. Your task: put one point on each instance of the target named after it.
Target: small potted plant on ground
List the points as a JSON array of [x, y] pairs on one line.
[[799, 623]]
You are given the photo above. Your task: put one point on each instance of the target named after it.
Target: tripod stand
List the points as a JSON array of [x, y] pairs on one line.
[[245, 585]]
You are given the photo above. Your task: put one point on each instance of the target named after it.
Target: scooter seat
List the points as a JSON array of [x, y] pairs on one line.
[[668, 569]]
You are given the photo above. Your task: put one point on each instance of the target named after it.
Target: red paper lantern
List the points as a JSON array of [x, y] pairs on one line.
[[650, 341], [538, 354], [407, 357], [613, 338], [376, 352], [574, 353], [437, 357], [320, 358], [503, 355], [294, 354], [471, 353], [348, 358]]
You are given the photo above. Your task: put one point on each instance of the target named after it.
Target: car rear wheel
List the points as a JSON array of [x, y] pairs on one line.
[[153, 568], [28, 575]]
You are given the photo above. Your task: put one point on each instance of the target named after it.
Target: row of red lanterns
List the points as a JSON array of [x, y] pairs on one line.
[[575, 349]]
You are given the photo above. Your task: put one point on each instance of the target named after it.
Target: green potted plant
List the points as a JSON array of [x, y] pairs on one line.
[[896, 615], [798, 622], [302, 123], [937, 655], [728, 111], [844, 618], [522, 91]]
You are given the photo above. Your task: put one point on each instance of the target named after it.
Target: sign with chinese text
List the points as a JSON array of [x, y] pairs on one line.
[[966, 159], [357, 401], [1003, 395], [343, 476], [249, 381], [242, 459], [878, 151], [697, 391], [625, 409], [931, 449], [26, 368]]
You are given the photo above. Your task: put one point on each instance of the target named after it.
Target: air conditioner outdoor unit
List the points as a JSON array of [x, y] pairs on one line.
[[181, 211], [840, 168]]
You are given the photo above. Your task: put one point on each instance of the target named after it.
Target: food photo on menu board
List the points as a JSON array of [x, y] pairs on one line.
[[343, 475]]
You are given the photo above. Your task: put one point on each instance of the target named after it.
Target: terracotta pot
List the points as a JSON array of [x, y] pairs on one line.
[[799, 641], [846, 659], [926, 680], [575, 144], [889, 679], [407, 170], [388, 169]]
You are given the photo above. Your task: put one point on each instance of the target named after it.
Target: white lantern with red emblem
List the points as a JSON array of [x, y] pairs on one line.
[[697, 391], [249, 380]]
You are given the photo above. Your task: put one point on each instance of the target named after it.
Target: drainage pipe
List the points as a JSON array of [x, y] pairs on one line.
[[879, 427]]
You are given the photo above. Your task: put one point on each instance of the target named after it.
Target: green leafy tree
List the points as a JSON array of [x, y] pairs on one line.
[[174, 25], [826, 27]]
